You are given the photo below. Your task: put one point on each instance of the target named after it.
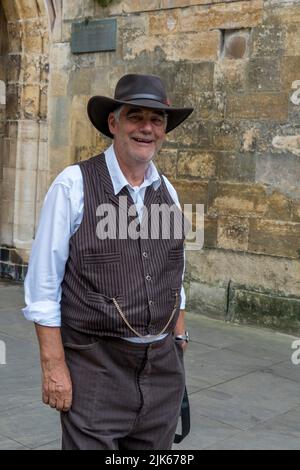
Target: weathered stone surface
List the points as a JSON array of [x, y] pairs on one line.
[[237, 199], [258, 106], [275, 238], [236, 62], [210, 232], [224, 16], [233, 233], [207, 299], [31, 101], [281, 171], [164, 23], [236, 167], [271, 311], [192, 192], [264, 74], [194, 47], [225, 135], [166, 161], [236, 44], [258, 272], [200, 165], [268, 40], [230, 75]]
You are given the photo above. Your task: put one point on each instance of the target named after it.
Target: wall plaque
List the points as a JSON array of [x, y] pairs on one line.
[[94, 36]]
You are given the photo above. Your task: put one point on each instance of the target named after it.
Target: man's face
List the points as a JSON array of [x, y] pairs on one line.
[[139, 133]]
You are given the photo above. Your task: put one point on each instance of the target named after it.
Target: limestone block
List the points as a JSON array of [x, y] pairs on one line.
[[24, 233], [164, 22], [26, 8], [28, 129], [290, 72], [192, 192], [31, 101], [43, 111], [140, 5], [13, 67], [15, 37], [27, 155], [25, 187], [258, 272], [230, 75], [60, 121], [77, 9], [268, 40], [32, 39], [60, 56], [235, 15], [31, 70], [210, 232], [264, 74], [275, 238], [166, 161], [233, 233], [292, 40], [58, 83], [6, 233], [226, 135], [194, 47], [281, 171], [43, 162], [237, 200], [258, 106], [11, 10], [268, 310], [42, 185], [197, 164], [207, 299], [236, 167]]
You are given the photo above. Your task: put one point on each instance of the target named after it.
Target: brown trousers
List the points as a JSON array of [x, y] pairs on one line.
[[125, 396]]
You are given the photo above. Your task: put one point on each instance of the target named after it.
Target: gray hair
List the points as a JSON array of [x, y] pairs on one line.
[[117, 112]]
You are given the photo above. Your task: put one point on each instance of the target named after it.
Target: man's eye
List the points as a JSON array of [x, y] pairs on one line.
[[158, 121], [134, 117]]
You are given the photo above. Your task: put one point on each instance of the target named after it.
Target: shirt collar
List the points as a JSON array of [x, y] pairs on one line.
[[118, 179]]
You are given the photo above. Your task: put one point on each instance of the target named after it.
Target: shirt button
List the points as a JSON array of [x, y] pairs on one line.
[[151, 302], [148, 277], [145, 254]]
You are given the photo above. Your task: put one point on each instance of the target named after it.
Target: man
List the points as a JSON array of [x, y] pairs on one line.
[[107, 307]]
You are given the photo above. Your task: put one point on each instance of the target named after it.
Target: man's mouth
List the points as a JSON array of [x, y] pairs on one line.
[[143, 140]]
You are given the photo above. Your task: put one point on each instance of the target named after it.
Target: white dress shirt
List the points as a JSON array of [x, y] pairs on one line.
[[61, 216]]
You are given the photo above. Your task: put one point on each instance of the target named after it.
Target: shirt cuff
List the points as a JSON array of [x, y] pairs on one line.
[[183, 299], [44, 313]]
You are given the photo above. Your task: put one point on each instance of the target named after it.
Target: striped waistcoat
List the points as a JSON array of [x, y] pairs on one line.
[[144, 275]]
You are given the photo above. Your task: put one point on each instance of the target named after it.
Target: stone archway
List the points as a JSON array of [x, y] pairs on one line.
[[24, 153]]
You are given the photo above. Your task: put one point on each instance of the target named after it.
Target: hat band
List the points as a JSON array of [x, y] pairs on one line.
[[144, 97]]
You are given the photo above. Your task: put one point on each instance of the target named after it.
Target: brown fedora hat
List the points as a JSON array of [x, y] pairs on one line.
[[147, 91]]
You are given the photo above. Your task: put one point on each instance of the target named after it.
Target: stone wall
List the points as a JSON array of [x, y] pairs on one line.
[[24, 151], [238, 63]]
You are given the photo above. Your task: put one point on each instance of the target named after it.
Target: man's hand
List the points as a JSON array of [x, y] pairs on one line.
[[180, 328], [57, 385]]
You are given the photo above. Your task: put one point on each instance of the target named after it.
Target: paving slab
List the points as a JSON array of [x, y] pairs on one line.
[[243, 387]]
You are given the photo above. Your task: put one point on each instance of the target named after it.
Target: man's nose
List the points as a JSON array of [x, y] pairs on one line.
[[146, 125]]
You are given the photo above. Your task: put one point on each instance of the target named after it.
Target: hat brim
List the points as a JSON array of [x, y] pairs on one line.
[[99, 108]]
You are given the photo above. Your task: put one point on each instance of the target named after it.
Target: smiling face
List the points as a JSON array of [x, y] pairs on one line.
[[138, 133]]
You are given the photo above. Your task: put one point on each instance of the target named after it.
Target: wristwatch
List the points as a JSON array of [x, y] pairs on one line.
[[184, 337]]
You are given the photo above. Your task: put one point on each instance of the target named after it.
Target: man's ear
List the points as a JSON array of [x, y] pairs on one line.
[[112, 122]]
